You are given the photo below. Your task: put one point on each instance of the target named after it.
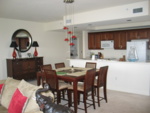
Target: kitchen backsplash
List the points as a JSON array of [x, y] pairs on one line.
[[108, 53]]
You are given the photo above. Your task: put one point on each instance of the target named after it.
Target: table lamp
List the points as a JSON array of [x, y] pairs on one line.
[[35, 44], [14, 45]]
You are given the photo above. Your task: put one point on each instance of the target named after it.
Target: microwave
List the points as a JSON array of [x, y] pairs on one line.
[[107, 44]]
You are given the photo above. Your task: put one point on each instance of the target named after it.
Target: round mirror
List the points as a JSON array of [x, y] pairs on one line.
[[23, 39]]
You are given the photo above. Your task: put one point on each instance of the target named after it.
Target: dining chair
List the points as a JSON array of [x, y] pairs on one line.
[[55, 86], [45, 67], [59, 65], [84, 89], [101, 81], [90, 65]]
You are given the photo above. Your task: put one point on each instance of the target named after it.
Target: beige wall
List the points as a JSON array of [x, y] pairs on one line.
[[52, 47]]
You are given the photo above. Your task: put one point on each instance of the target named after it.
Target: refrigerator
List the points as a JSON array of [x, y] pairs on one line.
[[137, 51]]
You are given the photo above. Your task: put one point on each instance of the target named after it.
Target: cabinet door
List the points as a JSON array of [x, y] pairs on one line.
[[138, 34], [97, 41], [149, 38], [91, 40], [17, 69], [143, 33], [38, 63], [120, 39], [107, 36], [132, 34]]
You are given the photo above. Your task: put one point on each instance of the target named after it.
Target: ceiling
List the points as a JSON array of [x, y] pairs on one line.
[[52, 10]]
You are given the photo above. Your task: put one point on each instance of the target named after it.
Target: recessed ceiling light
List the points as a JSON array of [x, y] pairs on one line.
[[129, 20]]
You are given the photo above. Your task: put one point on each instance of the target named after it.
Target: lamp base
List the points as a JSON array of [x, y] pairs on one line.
[[35, 53], [14, 54]]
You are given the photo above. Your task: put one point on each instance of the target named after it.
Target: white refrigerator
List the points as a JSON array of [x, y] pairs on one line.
[[137, 51]]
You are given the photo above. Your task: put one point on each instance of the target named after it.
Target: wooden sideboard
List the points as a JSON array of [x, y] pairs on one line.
[[24, 68]]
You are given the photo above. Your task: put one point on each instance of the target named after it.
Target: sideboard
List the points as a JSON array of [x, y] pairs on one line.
[[24, 68]]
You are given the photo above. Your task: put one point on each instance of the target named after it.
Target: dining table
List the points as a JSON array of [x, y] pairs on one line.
[[74, 75], [69, 74]]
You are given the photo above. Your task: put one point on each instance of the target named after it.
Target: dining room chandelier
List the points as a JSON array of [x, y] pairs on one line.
[[69, 19]]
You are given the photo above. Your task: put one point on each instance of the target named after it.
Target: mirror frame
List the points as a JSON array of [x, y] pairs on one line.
[[29, 39]]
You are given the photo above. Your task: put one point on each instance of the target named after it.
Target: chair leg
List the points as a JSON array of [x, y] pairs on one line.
[[69, 98], [78, 98], [58, 97], [85, 107], [93, 98], [105, 93], [98, 96], [63, 93]]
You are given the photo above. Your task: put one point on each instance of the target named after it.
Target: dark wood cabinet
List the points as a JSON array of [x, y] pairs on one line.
[[106, 35], [94, 40], [120, 39], [138, 34], [24, 68], [91, 40]]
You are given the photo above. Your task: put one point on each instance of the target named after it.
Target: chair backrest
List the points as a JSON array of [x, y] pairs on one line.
[[90, 65], [51, 79], [102, 76], [46, 67], [89, 80], [59, 65]]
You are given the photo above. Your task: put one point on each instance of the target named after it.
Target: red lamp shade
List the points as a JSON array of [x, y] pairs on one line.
[[35, 44], [66, 39], [71, 44], [65, 28], [74, 37], [69, 32]]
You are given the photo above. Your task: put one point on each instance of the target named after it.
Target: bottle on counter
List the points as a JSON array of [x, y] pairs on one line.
[[72, 68], [101, 56]]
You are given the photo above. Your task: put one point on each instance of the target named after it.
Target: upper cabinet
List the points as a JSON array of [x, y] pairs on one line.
[[120, 39], [106, 35], [94, 40], [138, 34], [91, 40]]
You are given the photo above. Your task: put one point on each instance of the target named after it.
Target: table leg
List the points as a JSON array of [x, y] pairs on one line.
[[75, 96], [38, 80]]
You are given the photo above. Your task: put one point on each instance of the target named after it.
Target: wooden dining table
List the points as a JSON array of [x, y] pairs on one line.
[[73, 75], [70, 74]]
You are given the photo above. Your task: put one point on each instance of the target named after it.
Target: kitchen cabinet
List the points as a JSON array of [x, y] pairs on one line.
[[94, 41], [106, 35], [91, 40], [97, 41], [120, 39], [138, 34], [24, 68]]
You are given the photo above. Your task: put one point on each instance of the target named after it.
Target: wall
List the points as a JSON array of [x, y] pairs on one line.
[[52, 47]]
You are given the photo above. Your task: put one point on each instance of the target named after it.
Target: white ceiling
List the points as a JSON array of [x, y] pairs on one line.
[[51, 10]]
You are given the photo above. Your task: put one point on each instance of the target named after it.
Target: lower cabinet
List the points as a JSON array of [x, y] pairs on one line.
[[24, 68]]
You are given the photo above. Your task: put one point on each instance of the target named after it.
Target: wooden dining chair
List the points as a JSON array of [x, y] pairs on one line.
[[55, 86], [101, 81], [90, 65], [45, 67], [59, 65], [84, 89]]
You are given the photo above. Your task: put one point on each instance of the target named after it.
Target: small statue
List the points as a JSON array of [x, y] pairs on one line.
[[47, 105]]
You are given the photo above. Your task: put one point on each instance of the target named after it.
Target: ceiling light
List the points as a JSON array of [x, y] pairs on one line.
[[69, 20]]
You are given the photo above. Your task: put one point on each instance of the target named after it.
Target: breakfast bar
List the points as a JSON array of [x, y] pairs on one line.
[[131, 77]]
